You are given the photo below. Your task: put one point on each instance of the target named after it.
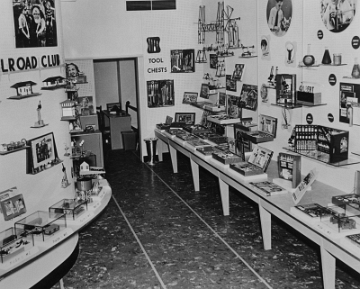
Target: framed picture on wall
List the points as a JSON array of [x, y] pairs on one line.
[[249, 95], [230, 83], [42, 153], [160, 93], [38, 14], [190, 97], [13, 207], [185, 117], [182, 61], [204, 91]]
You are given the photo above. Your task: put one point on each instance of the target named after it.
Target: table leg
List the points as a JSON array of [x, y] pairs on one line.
[[173, 155], [265, 220], [195, 175], [328, 264], [224, 193], [160, 148]]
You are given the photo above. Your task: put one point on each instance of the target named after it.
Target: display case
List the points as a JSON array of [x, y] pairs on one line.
[[13, 246], [226, 157], [197, 128], [352, 200], [41, 225], [207, 151], [72, 208], [257, 164], [311, 212], [267, 128], [289, 168], [322, 143]]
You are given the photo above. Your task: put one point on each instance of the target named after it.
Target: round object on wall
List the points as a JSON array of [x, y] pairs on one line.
[[320, 34], [309, 118], [278, 16], [332, 79], [337, 15], [330, 117], [355, 42]]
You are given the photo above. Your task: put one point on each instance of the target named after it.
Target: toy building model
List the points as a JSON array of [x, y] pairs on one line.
[[24, 89], [68, 109], [54, 82]]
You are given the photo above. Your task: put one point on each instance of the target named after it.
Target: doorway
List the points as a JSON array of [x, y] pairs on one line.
[[116, 81]]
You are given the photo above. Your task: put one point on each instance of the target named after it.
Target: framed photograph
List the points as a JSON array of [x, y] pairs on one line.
[[85, 105], [42, 153], [35, 23], [182, 61], [230, 83], [204, 90], [249, 95], [238, 72], [213, 61], [160, 93], [190, 97], [13, 207], [222, 99], [185, 117]]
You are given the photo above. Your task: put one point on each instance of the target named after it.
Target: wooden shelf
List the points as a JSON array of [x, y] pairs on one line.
[[2, 153], [19, 97]]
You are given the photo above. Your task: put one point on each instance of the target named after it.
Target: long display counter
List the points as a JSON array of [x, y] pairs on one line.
[[30, 266], [332, 245]]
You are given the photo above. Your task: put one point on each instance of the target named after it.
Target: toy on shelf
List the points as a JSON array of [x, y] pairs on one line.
[[23, 90], [13, 146], [54, 82], [39, 123]]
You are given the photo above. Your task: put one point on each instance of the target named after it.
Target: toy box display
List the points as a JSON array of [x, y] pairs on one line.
[[208, 150], [198, 143], [266, 130], [285, 89], [184, 135], [226, 157], [222, 119], [343, 219], [289, 167], [14, 243], [325, 144], [72, 208], [311, 212], [309, 94], [352, 200], [40, 224], [197, 128], [257, 164]]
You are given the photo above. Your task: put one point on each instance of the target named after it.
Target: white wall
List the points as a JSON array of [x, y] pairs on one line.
[[123, 34], [17, 116]]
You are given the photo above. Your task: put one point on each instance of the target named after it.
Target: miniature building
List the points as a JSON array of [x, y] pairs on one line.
[[84, 167], [24, 88], [55, 81], [68, 108]]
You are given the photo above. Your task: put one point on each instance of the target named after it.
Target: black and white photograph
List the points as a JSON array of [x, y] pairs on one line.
[[190, 97], [279, 15], [337, 14], [35, 23], [160, 93]]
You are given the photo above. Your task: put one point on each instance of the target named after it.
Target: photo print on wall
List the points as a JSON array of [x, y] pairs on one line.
[[35, 23], [337, 14], [279, 14], [160, 93]]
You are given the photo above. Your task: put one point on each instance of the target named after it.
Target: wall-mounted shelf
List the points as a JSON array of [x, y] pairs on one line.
[[320, 157], [2, 153], [293, 106], [18, 97], [251, 56]]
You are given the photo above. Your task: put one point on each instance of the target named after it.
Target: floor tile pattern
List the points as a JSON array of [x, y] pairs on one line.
[[158, 233]]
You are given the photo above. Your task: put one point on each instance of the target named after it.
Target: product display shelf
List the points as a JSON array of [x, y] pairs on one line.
[[292, 106], [318, 156], [42, 248], [2, 153]]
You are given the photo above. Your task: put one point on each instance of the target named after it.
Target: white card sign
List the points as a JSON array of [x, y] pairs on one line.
[[304, 186]]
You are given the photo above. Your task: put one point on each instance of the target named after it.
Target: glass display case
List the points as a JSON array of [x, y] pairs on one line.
[[13, 243], [72, 208], [41, 225], [343, 218]]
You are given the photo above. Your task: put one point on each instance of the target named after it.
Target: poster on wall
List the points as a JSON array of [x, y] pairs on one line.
[[160, 93], [337, 14], [278, 15], [249, 96], [182, 61], [35, 23]]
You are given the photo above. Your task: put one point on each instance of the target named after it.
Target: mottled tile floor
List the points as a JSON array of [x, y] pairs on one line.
[[158, 233]]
